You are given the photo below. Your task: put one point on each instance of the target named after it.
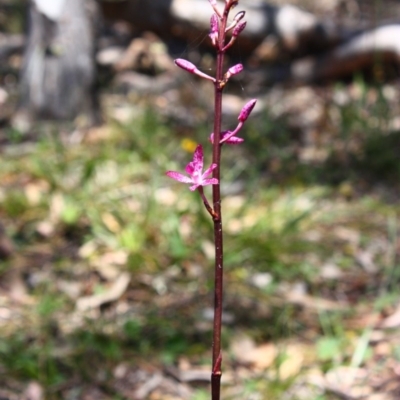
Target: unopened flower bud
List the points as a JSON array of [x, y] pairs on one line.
[[236, 20], [214, 29], [239, 28], [186, 65], [236, 69], [246, 110], [227, 137], [214, 23], [239, 16]]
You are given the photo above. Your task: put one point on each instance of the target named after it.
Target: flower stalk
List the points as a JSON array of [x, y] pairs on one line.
[[218, 31]]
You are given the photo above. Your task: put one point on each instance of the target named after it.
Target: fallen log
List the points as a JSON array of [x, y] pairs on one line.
[[379, 47]]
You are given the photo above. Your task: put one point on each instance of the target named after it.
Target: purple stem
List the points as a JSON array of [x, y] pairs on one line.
[[218, 233]]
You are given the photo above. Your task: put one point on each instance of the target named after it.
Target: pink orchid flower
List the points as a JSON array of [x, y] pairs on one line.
[[195, 171]]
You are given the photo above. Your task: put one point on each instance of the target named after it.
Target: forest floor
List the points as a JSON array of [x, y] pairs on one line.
[[106, 275]]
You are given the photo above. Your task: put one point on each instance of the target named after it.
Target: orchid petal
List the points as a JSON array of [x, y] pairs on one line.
[[222, 135], [211, 181], [209, 170], [234, 140], [198, 158], [179, 177], [190, 168]]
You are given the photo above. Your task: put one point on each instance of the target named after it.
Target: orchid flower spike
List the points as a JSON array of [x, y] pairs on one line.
[[195, 171], [190, 67]]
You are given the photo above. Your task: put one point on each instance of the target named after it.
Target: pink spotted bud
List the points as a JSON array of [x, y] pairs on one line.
[[246, 110], [186, 65], [236, 69], [214, 23], [239, 16], [238, 28], [214, 29]]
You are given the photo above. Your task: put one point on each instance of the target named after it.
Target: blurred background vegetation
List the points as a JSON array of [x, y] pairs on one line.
[[106, 265]]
